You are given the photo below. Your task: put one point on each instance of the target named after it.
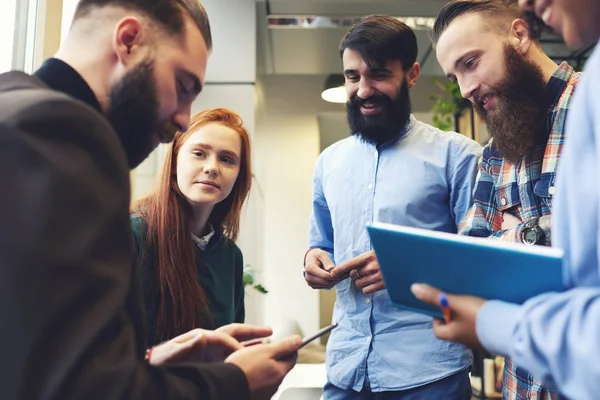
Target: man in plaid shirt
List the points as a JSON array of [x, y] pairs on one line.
[[524, 97]]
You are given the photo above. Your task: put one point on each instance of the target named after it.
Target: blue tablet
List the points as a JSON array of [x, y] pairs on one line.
[[463, 265]]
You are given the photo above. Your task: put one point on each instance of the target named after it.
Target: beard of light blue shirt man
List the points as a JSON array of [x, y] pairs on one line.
[[392, 169], [555, 336]]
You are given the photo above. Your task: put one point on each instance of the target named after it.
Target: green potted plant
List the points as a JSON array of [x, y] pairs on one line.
[[448, 106], [249, 279]]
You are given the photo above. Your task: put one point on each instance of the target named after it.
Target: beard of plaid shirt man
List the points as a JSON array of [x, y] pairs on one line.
[[523, 96]]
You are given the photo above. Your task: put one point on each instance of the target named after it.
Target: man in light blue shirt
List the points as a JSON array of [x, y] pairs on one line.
[[392, 169], [555, 336]]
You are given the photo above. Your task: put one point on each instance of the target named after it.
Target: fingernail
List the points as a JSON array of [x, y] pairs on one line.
[[417, 289]]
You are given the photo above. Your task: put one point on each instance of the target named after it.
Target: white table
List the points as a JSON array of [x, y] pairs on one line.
[[303, 382]]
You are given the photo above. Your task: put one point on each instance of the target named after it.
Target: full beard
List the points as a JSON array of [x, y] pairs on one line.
[[133, 113], [384, 126], [517, 120]]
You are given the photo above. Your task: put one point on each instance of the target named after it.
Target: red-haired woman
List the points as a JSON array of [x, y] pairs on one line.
[[185, 230]]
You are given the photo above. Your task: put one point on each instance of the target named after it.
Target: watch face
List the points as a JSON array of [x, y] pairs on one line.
[[529, 236]]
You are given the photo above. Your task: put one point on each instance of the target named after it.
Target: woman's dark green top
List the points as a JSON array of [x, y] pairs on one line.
[[219, 269]]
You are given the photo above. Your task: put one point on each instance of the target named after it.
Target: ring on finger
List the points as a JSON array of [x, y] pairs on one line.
[[358, 275]]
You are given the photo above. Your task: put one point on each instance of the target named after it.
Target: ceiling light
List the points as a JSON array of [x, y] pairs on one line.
[[334, 90]]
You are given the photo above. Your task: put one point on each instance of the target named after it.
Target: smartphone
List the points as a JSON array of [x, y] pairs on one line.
[[317, 335]]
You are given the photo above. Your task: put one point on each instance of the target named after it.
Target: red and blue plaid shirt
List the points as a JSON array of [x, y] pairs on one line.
[[523, 190]]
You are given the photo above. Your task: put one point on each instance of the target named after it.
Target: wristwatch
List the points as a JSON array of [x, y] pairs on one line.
[[532, 233]]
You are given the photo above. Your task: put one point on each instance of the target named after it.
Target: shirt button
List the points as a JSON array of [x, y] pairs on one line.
[[368, 300], [370, 186], [552, 190], [368, 340], [503, 201], [367, 223]]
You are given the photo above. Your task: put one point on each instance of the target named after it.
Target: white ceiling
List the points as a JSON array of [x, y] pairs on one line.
[[356, 7], [314, 51]]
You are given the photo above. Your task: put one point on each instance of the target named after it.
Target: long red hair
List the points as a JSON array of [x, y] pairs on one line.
[[183, 302]]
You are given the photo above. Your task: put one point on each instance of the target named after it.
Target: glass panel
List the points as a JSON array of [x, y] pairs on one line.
[[8, 10]]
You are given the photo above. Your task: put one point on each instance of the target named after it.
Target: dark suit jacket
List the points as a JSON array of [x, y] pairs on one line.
[[71, 318]]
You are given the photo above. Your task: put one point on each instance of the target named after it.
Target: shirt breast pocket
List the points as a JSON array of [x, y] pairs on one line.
[[507, 196], [544, 188]]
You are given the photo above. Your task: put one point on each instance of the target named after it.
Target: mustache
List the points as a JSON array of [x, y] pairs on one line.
[[376, 98], [479, 96]]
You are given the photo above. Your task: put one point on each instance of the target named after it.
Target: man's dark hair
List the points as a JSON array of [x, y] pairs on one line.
[[381, 38], [500, 11], [169, 14]]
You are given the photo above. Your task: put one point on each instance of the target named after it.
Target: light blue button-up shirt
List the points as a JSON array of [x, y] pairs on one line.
[[425, 180], [556, 337]]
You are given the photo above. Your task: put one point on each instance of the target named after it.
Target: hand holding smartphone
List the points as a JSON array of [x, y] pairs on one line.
[[309, 339], [306, 340]]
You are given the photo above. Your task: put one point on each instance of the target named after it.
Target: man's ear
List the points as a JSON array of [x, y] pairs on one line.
[[128, 38], [519, 35], [412, 75]]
